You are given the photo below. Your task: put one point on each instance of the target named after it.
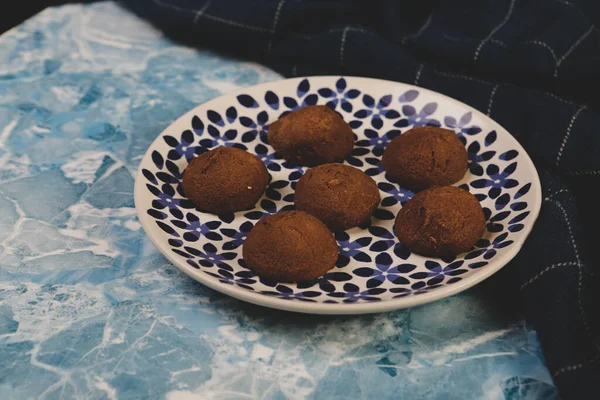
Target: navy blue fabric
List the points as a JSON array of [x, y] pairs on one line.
[[532, 65]]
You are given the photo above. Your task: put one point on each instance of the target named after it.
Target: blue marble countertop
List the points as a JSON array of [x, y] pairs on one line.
[[90, 309]]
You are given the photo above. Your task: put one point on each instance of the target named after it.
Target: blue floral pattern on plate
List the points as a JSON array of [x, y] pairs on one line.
[[373, 267]]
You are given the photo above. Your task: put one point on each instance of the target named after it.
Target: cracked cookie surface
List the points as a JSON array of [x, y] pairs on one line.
[[441, 221], [341, 196], [290, 246], [424, 157], [311, 136], [225, 180]]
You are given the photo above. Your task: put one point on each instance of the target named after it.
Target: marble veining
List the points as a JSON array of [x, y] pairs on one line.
[[89, 309]]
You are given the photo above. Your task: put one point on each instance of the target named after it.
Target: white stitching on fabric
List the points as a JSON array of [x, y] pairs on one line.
[[570, 4], [202, 10], [567, 134], [234, 23], [586, 34], [545, 45], [560, 99], [418, 74], [275, 20], [579, 295], [567, 369], [566, 218], [342, 45], [547, 269], [496, 29], [491, 102], [468, 78], [559, 62], [583, 172], [202, 13], [349, 28], [498, 42], [453, 38], [277, 14], [173, 7], [579, 269], [456, 39], [554, 194], [571, 368], [420, 31]]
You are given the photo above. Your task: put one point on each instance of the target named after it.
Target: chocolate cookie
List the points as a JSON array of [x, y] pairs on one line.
[[311, 136], [225, 180], [339, 195], [441, 221], [424, 157], [290, 246]]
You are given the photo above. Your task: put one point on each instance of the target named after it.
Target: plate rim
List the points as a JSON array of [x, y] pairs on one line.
[[337, 308]]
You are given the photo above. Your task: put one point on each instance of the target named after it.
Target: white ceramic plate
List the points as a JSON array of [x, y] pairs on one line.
[[374, 272]]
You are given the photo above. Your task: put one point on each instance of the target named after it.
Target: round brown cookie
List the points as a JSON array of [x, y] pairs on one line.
[[290, 246], [339, 195], [424, 157], [225, 180], [441, 221], [311, 136]]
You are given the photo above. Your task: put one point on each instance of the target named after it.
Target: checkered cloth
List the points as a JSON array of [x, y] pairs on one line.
[[532, 65]]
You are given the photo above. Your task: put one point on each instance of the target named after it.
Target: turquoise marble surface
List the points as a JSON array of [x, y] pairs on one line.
[[89, 309]]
